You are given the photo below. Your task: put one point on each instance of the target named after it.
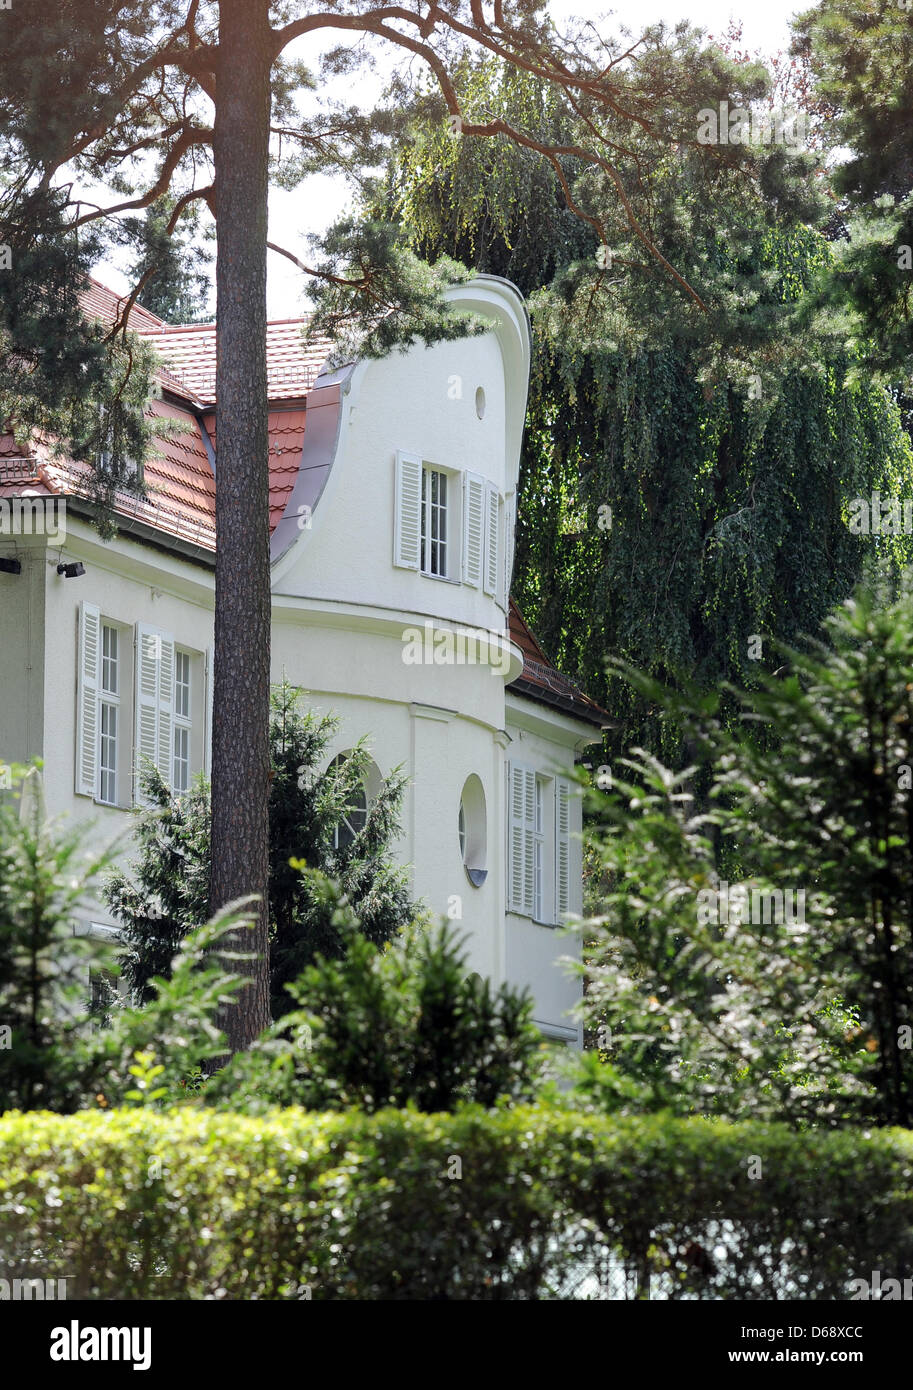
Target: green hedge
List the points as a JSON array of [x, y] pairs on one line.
[[533, 1202]]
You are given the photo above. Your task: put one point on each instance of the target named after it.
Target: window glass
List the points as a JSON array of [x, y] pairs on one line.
[[182, 685], [356, 815], [181, 763], [181, 759], [108, 715], [109, 659], [472, 830], [434, 522], [107, 790]]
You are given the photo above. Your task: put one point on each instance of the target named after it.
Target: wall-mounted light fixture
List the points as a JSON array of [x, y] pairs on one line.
[[10, 567], [72, 571]]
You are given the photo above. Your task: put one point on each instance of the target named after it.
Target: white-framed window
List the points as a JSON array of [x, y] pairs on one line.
[[183, 721], [435, 523], [538, 845], [443, 522], [109, 715], [139, 697]]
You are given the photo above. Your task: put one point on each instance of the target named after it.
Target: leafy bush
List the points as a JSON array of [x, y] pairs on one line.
[[45, 873], [166, 892], [386, 1028], [529, 1203], [798, 1002], [54, 1055]]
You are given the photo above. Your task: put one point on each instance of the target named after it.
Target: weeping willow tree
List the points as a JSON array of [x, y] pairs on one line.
[[687, 468]]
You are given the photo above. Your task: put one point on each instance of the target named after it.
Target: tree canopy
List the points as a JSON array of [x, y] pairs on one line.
[[686, 475]]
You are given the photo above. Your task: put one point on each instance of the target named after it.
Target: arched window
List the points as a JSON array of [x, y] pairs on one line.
[[472, 829], [356, 814]]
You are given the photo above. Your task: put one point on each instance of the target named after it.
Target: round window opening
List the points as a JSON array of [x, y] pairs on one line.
[[480, 401], [472, 828]]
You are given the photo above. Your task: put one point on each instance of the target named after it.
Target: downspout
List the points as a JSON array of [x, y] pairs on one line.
[[204, 435]]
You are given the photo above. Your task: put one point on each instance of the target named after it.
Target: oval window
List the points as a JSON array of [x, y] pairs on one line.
[[480, 401], [472, 830]]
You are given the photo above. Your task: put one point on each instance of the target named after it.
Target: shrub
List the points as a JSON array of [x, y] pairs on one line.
[[190, 1204], [802, 1006], [387, 1028], [45, 875], [54, 1055]]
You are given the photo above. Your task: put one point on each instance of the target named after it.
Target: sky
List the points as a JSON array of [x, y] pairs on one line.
[[315, 204]]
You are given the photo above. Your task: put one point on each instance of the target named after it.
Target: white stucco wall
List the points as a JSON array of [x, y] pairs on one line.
[[22, 644]]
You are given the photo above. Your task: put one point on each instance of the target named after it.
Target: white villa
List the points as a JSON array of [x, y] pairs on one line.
[[393, 487]]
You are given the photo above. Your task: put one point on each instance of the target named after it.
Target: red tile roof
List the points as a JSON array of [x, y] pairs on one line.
[[541, 681], [286, 437], [101, 303], [292, 363]]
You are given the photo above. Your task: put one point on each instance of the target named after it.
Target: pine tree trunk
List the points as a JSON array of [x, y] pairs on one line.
[[240, 746]]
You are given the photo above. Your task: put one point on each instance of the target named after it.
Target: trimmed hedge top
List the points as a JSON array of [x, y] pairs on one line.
[[191, 1203]]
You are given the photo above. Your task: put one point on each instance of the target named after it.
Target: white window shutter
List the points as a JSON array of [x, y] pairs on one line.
[[87, 687], [407, 525], [148, 648], [529, 842], [515, 854], [165, 752], [562, 848], [492, 528], [508, 549], [473, 528], [154, 701], [207, 733], [521, 868]]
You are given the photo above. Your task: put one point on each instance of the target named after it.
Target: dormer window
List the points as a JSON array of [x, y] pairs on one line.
[[449, 524], [434, 522]]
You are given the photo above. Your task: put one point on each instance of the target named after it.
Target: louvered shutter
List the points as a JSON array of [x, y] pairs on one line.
[[87, 686], [154, 701], [521, 842], [165, 752], [473, 528], [407, 526], [562, 848], [508, 550], [492, 527], [207, 736]]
